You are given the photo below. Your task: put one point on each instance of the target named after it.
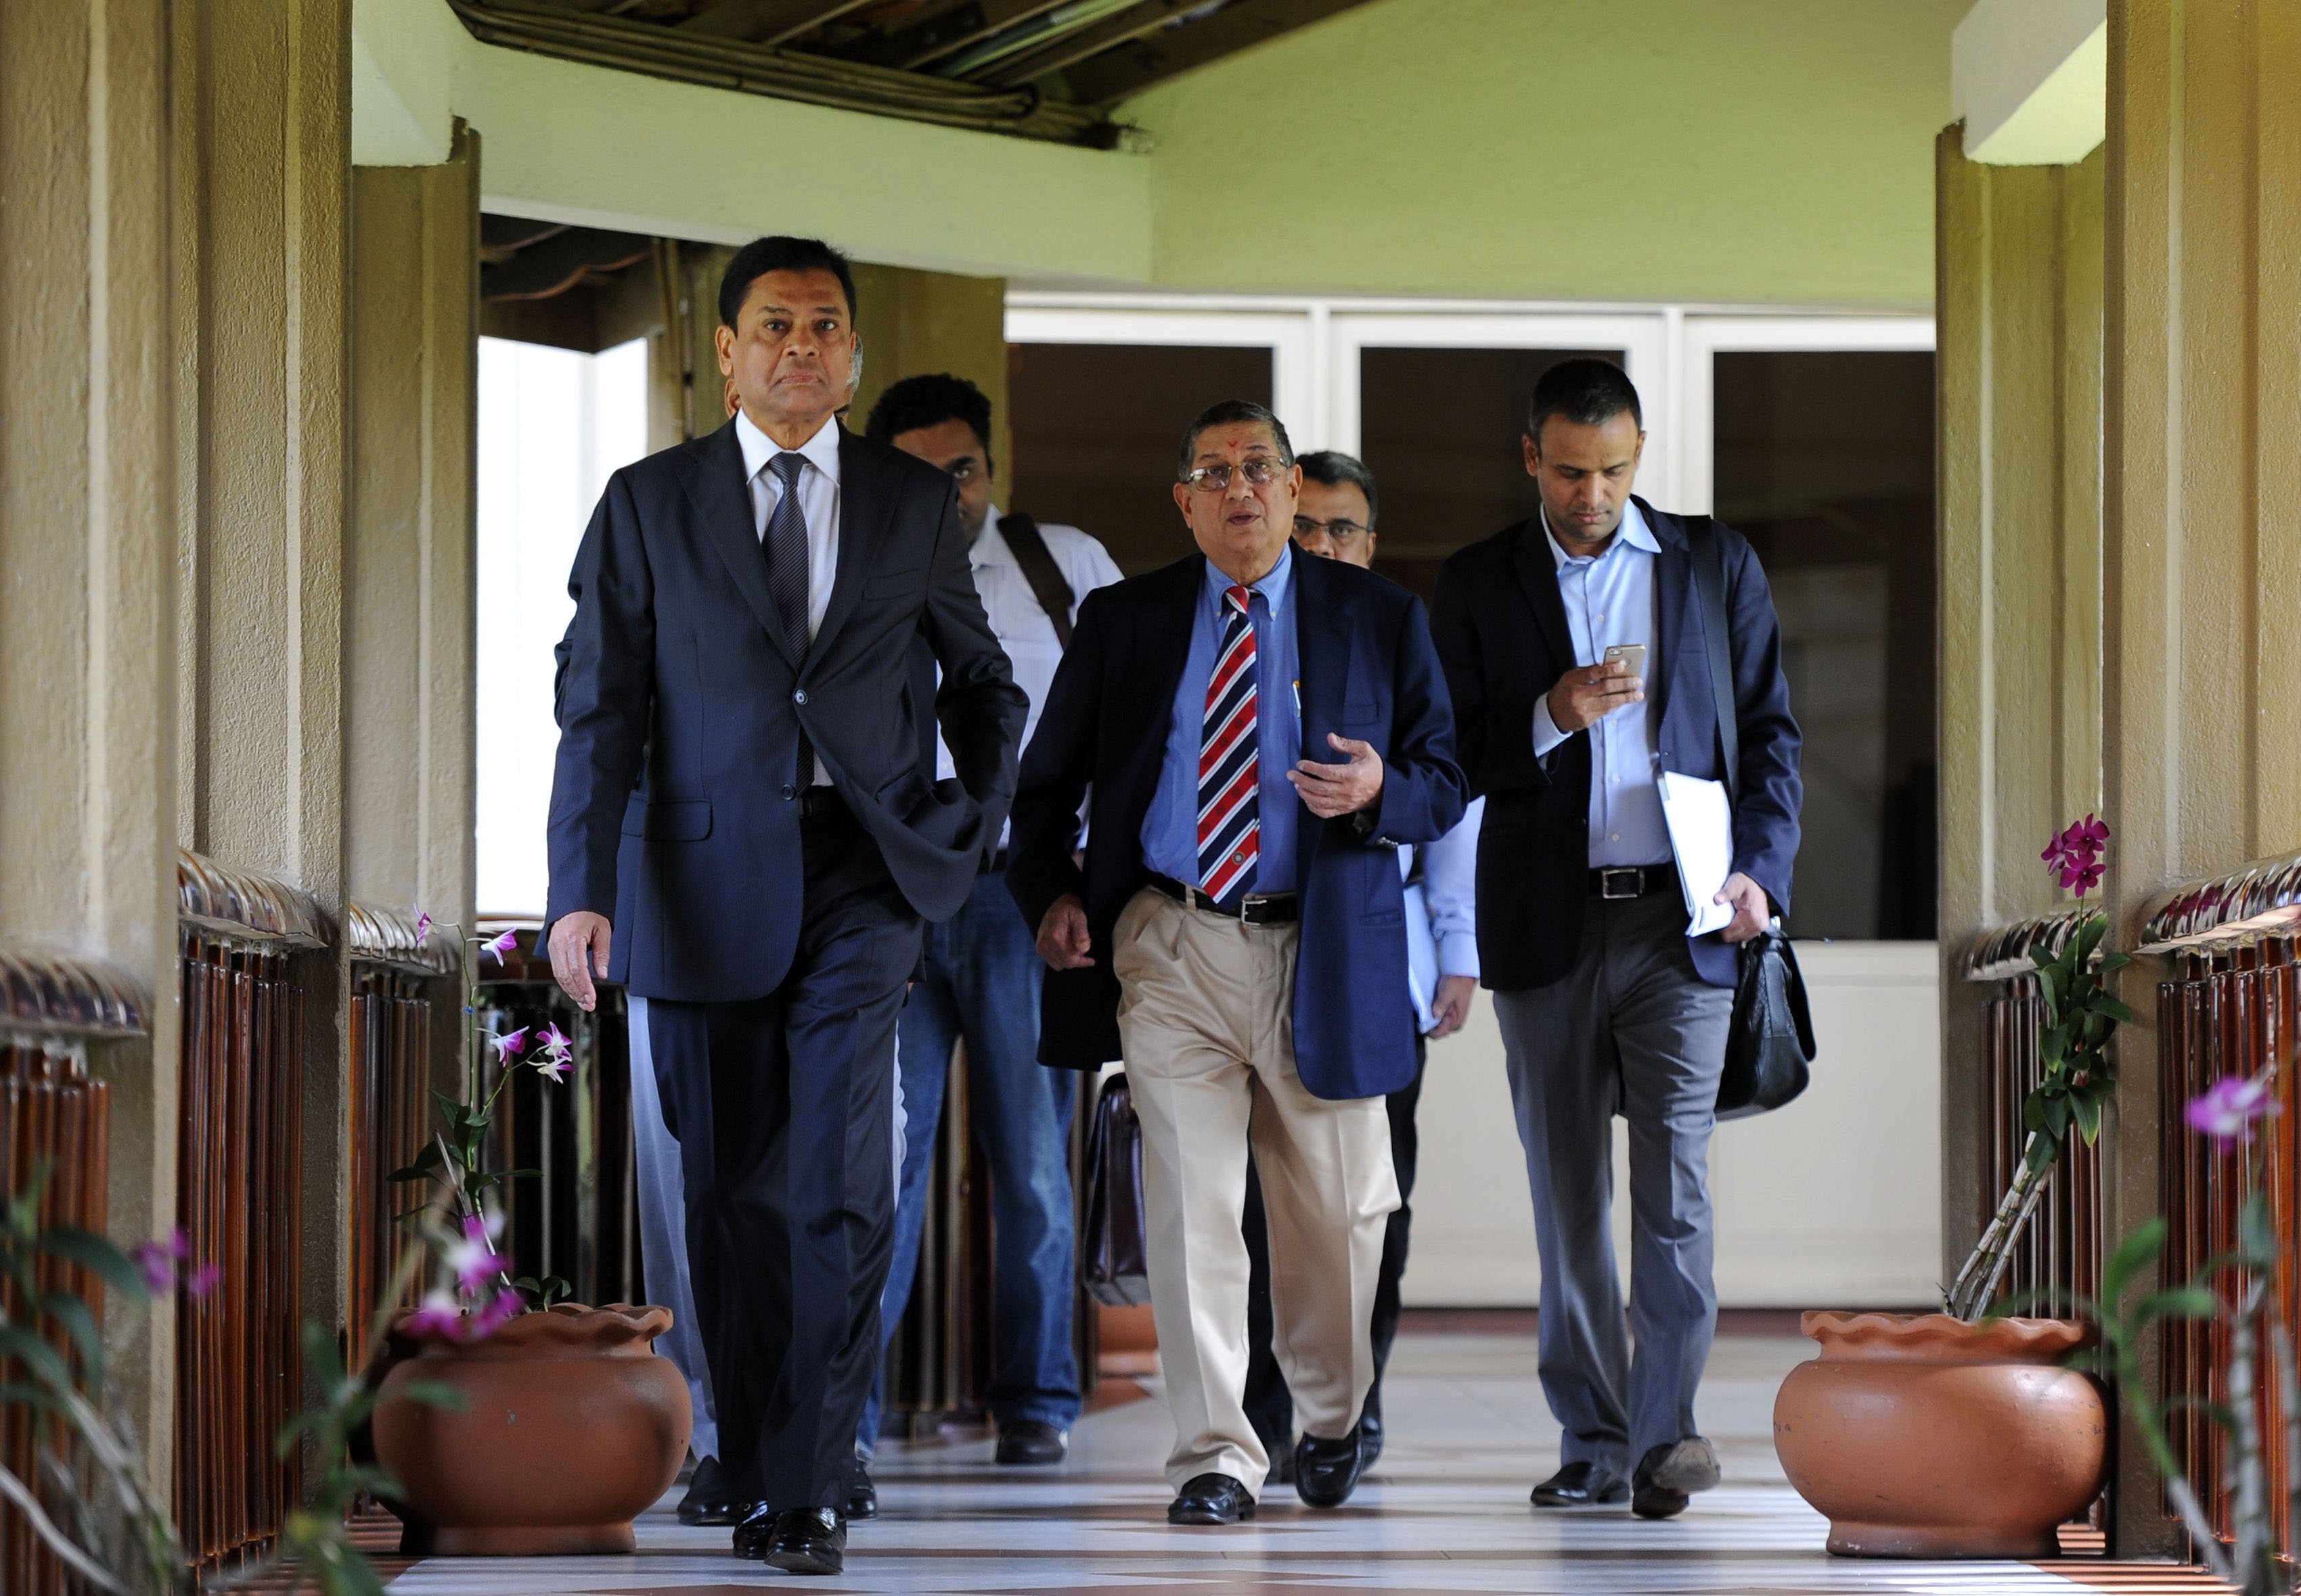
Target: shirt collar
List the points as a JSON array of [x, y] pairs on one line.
[[822, 450], [1632, 532], [989, 548], [1273, 586]]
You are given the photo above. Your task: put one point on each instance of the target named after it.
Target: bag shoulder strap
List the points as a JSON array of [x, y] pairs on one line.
[[1039, 569], [1709, 583]]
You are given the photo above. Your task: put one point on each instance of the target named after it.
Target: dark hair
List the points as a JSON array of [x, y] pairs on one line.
[[1333, 468], [1227, 413], [1585, 391], [778, 252], [919, 402]]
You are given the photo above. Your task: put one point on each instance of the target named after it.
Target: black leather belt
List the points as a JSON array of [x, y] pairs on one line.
[[1632, 880], [820, 800], [1279, 909]]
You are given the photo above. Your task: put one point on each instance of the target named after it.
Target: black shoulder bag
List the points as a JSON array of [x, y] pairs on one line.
[[1770, 1042], [1039, 569]]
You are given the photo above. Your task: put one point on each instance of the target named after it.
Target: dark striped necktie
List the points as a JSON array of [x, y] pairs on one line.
[[785, 547], [1230, 776]]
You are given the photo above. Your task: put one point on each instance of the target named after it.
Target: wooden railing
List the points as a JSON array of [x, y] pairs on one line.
[[2232, 1007], [2059, 1257], [239, 1198], [54, 1115]]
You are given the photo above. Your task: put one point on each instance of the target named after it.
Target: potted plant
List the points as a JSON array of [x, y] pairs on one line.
[[569, 1426], [1953, 1435]]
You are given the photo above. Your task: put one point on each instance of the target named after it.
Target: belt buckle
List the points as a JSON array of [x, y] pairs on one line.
[[1608, 874], [1248, 905]]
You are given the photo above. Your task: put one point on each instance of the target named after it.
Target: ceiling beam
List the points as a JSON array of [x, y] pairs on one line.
[[1070, 48], [952, 28], [1121, 73], [767, 21]]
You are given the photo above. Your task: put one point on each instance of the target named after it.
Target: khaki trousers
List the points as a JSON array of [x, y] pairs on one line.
[[1206, 1015]]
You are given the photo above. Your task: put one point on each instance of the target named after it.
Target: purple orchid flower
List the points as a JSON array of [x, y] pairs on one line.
[[202, 1281], [508, 1046], [557, 1055], [423, 929], [2229, 1108], [502, 948], [157, 1260], [2072, 855], [496, 1312], [472, 1258], [440, 1315]]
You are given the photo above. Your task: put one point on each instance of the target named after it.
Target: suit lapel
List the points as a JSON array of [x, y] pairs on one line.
[[722, 498], [1537, 573], [866, 505], [1673, 581], [1322, 648], [1163, 644]]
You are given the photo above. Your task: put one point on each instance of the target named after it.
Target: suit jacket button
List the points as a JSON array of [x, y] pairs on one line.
[[800, 697], [789, 793]]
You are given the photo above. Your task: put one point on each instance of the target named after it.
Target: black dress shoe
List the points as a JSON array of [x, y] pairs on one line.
[[1582, 1485], [1212, 1498], [862, 1495], [755, 1529], [1325, 1472], [1370, 1439], [1669, 1474], [797, 1539], [710, 1499], [1028, 1443]]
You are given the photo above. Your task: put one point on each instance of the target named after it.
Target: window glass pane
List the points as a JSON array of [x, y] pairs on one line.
[[1096, 427], [1440, 431], [1824, 460]]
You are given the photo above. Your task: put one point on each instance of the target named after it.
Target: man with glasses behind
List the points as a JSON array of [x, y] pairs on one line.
[[1334, 518], [1259, 732]]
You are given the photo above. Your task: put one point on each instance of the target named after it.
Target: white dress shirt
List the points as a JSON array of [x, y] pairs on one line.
[[1017, 616], [1610, 599], [818, 501]]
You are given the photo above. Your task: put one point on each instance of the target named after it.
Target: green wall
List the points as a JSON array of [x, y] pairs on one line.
[[1710, 150]]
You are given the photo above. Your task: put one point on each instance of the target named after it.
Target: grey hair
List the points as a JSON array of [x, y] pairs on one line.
[[1332, 468], [1228, 412]]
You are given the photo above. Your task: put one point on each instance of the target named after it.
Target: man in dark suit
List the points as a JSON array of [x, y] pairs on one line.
[[1259, 729], [742, 831], [1606, 1005]]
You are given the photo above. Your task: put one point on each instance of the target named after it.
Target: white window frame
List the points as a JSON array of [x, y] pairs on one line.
[[1297, 375]]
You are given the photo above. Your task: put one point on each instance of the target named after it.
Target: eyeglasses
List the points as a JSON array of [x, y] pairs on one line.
[[1340, 532], [1261, 471]]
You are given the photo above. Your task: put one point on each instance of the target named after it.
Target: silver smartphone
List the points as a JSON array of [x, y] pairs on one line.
[[1632, 654]]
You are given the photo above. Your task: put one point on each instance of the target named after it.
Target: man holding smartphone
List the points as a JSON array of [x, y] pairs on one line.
[[1606, 1006]]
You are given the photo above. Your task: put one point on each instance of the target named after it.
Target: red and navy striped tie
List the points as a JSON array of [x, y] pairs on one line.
[[1230, 776]]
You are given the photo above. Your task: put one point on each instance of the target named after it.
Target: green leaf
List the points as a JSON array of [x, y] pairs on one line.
[[2087, 1106], [2090, 930], [2177, 1302], [426, 1163], [73, 1314], [2257, 1235], [2033, 1112], [2115, 961], [2058, 1114], [97, 1256], [2042, 1153], [432, 1393], [2138, 1252], [37, 1355], [2113, 1008]]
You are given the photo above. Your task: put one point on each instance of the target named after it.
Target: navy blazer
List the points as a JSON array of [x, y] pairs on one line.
[[1368, 672], [1500, 628], [673, 808]]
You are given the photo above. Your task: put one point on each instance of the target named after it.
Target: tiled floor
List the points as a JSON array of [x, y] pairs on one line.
[[1444, 1512]]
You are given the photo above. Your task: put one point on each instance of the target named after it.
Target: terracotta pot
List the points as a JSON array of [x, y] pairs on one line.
[[572, 1427], [1922, 1436]]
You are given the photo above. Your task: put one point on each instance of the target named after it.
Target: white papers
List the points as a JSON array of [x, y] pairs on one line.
[[1701, 836]]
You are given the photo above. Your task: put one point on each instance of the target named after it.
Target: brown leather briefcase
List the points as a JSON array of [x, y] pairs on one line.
[[1112, 1257]]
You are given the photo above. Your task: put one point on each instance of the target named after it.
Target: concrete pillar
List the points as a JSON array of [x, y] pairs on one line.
[[918, 322], [2202, 563], [86, 538], [261, 193], [2018, 364]]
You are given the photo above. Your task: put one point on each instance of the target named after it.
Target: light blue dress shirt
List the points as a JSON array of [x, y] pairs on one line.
[[1610, 599], [1170, 828], [1442, 911]]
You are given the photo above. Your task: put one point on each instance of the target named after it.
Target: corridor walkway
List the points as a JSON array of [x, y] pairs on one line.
[[1445, 1510]]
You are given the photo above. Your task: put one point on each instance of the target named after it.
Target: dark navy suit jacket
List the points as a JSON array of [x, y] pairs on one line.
[[1368, 672], [673, 808], [1500, 627]]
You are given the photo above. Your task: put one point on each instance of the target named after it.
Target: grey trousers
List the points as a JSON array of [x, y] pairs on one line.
[[662, 1226], [1630, 1030]]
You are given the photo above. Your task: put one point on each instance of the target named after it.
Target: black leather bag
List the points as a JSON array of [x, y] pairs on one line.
[[1113, 1260], [1771, 1041]]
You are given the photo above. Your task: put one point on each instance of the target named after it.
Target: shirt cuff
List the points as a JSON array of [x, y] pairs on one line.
[[1458, 954], [1546, 734]]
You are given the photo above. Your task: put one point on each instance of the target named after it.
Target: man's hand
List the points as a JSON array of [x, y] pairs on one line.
[[1330, 789], [1749, 901], [579, 951], [1587, 694], [1451, 1008], [1063, 940]]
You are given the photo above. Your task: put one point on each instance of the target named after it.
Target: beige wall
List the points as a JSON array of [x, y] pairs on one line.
[[86, 612], [2019, 365], [2201, 563], [919, 321]]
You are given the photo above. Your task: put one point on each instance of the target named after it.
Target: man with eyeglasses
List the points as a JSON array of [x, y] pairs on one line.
[[1259, 733], [1334, 518], [981, 976]]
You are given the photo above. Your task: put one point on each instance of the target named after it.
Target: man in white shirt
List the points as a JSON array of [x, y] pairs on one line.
[[980, 975], [1334, 518]]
